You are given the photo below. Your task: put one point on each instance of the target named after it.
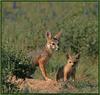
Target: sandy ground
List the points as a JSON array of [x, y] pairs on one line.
[[33, 85]]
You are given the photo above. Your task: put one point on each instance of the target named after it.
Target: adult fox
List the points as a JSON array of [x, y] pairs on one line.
[[42, 57]]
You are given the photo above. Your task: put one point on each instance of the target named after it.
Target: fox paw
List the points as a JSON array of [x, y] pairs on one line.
[[48, 79]]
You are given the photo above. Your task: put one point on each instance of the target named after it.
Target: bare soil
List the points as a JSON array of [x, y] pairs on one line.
[[33, 85]]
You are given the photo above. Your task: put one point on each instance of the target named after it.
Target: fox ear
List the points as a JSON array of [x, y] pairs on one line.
[[77, 56], [48, 35], [58, 35], [68, 56]]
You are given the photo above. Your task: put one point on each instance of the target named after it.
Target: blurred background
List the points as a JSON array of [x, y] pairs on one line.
[[24, 25]]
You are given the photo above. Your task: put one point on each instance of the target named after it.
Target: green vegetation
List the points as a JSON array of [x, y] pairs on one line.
[[24, 27]]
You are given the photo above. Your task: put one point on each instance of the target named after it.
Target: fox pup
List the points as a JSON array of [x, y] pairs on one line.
[[69, 69]]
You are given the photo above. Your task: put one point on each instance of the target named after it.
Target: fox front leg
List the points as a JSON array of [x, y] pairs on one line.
[[65, 76], [73, 74], [43, 70], [73, 77]]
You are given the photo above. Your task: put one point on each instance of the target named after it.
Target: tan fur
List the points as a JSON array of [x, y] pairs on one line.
[[69, 70], [43, 56]]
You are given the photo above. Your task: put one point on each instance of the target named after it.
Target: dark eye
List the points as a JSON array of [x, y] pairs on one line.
[[75, 62], [53, 43], [70, 62]]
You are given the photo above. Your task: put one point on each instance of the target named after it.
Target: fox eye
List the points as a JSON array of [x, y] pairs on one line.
[[70, 62], [53, 43], [74, 62]]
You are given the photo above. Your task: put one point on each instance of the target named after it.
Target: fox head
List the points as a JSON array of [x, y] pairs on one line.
[[72, 59], [53, 42]]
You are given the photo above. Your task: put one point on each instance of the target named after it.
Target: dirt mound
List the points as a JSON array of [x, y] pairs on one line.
[[33, 85], [42, 86]]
